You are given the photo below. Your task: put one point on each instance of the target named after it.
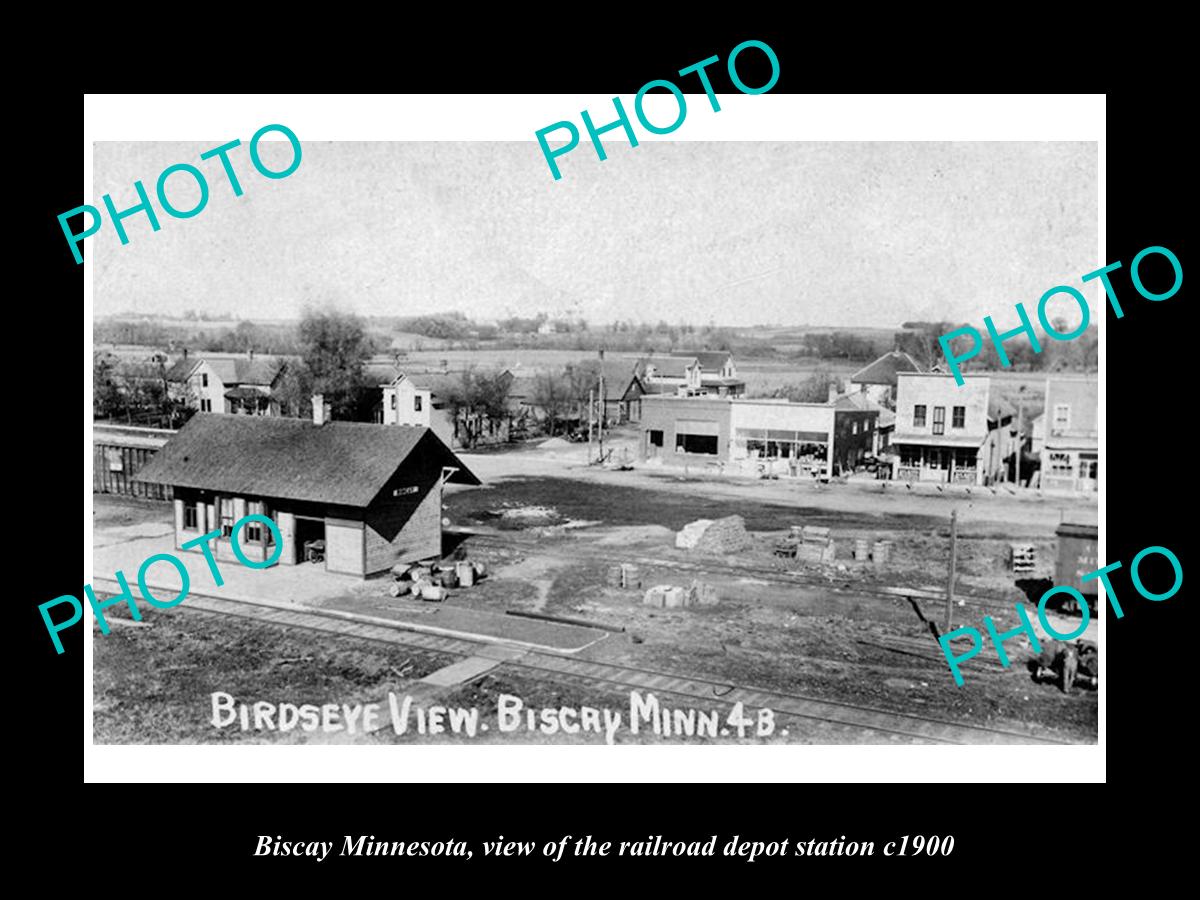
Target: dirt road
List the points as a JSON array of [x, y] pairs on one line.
[[1027, 513]]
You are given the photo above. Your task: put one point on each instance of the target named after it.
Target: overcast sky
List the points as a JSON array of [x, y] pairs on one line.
[[734, 233]]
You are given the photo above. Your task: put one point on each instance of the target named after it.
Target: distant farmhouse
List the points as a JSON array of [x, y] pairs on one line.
[[361, 496], [228, 382]]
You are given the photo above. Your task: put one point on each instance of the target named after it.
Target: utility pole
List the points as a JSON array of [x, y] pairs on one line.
[[591, 404], [953, 562], [1020, 427], [601, 415]]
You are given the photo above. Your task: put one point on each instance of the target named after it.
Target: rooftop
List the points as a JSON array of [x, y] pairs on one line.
[[885, 369], [710, 360], [231, 368], [344, 463], [667, 366]]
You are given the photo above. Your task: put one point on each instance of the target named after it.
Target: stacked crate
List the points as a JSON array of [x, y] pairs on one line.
[[1023, 557]]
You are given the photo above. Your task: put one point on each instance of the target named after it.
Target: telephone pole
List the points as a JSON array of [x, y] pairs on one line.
[[601, 415], [953, 562], [591, 405]]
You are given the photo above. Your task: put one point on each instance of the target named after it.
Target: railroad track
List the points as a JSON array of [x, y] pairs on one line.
[[695, 691]]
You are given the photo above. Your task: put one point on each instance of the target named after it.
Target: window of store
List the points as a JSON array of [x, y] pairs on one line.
[[939, 420]]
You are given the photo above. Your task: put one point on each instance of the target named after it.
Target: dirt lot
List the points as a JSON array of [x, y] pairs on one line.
[[827, 637], [828, 642], [153, 684]]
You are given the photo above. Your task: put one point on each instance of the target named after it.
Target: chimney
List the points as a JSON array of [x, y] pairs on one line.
[[833, 391], [185, 352], [320, 410], [252, 353]]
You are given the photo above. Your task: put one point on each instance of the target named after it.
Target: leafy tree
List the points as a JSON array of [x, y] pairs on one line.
[[920, 342], [479, 401], [334, 351], [107, 401], [555, 396], [813, 389], [294, 391]]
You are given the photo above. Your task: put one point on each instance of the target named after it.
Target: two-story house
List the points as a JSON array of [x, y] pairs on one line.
[[680, 375], [718, 375], [1069, 433], [228, 382], [950, 433], [878, 380], [421, 401]]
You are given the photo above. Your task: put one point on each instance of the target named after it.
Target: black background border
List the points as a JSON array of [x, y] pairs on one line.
[[995, 824]]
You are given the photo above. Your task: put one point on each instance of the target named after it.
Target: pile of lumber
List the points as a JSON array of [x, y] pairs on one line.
[[1024, 558], [727, 535], [813, 544], [691, 533]]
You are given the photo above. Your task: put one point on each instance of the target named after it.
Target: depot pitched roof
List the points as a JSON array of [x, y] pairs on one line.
[[344, 463]]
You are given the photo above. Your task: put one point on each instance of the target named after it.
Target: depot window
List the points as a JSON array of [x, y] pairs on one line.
[[919, 416], [253, 531], [656, 437], [960, 417]]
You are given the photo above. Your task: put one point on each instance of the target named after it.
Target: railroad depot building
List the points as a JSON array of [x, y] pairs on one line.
[[366, 496], [776, 436], [949, 433]]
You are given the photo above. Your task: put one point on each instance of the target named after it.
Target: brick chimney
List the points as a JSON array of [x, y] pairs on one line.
[[321, 412], [833, 390]]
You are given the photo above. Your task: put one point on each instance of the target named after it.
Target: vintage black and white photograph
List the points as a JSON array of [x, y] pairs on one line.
[[667, 451]]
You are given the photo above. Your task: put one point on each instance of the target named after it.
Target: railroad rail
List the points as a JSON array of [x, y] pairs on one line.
[[852, 718]]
